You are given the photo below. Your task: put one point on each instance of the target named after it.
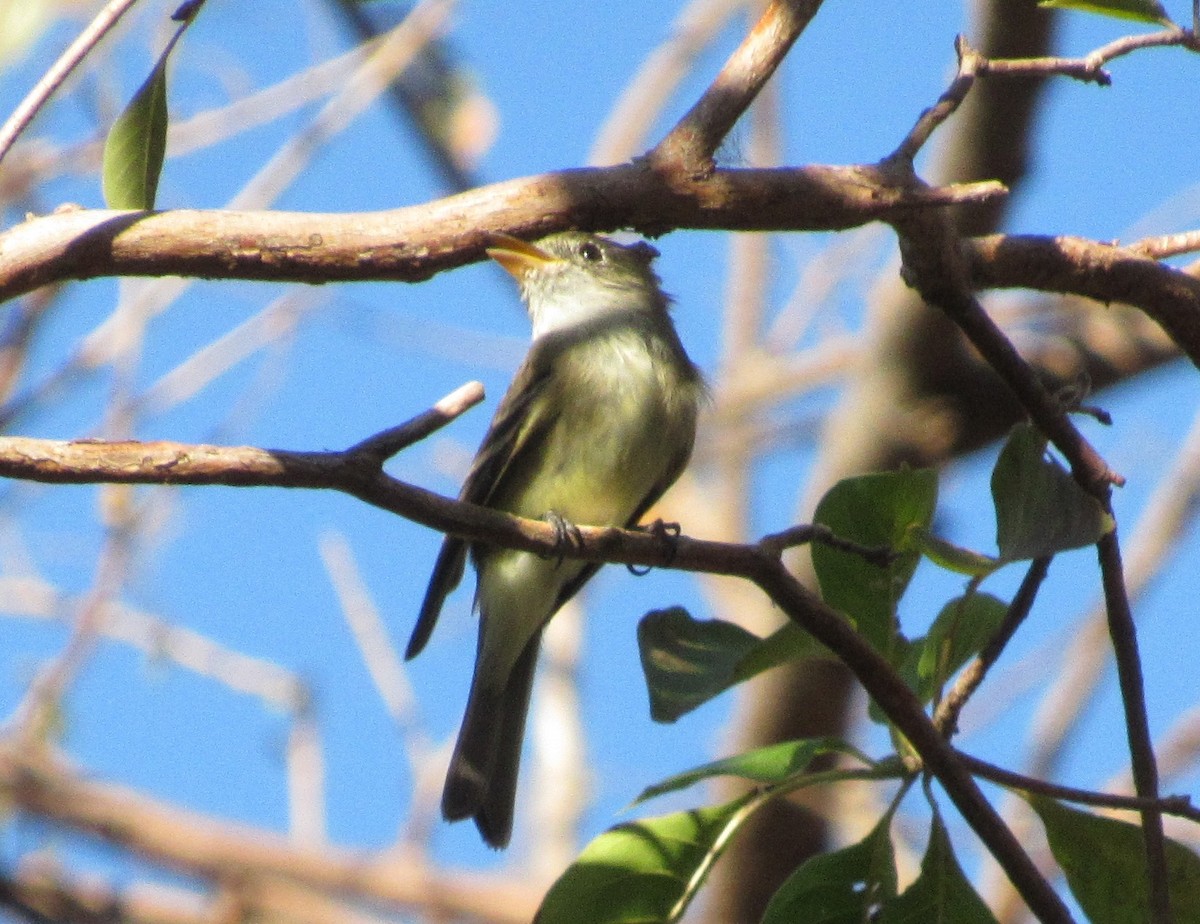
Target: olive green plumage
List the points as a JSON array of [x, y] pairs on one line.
[[599, 421]]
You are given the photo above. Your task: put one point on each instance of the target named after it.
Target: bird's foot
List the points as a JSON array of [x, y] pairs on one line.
[[566, 536], [666, 533]]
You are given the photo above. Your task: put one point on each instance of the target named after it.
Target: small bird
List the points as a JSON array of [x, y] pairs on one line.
[[598, 422]]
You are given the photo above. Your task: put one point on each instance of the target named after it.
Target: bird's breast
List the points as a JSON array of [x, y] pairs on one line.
[[627, 415]]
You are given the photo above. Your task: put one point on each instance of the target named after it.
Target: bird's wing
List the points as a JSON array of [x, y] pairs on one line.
[[512, 432]]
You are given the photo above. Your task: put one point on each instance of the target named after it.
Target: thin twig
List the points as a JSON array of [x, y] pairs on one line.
[[1091, 67], [946, 716], [383, 446], [775, 543], [378, 71], [1133, 696], [1180, 806], [454, 173], [969, 61], [59, 71], [624, 130], [1167, 245]]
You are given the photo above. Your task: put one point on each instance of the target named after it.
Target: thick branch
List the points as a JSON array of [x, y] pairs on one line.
[[414, 243], [1105, 272]]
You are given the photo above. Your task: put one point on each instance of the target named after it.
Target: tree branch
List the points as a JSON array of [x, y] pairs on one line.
[[1137, 725], [1180, 806], [411, 244], [358, 473], [195, 844], [687, 150], [1089, 68], [945, 718], [1105, 272]]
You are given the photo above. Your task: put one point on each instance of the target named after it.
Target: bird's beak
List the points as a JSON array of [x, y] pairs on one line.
[[519, 257]]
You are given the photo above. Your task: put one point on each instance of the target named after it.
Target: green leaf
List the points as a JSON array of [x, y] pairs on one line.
[[961, 629], [689, 661], [873, 510], [842, 887], [645, 871], [770, 765], [1040, 508], [786, 644], [1104, 861], [136, 145], [137, 141], [941, 894], [1150, 11]]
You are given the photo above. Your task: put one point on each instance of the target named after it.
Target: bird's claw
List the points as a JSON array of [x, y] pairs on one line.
[[668, 534], [566, 535]]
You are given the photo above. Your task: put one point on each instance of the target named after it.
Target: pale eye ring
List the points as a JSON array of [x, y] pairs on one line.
[[590, 252]]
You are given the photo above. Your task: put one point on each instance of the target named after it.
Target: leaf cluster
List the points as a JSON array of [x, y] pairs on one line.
[[650, 869]]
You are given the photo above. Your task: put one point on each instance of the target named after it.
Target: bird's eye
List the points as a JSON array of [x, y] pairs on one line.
[[590, 252]]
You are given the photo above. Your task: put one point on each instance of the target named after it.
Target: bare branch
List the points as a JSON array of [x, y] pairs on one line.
[[947, 104], [687, 150], [1169, 805], [1137, 724], [946, 716], [624, 131], [414, 243], [934, 267], [1096, 270], [231, 852], [1091, 67]]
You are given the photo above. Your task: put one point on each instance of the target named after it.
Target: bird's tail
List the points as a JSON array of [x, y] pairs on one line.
[[482, 779]]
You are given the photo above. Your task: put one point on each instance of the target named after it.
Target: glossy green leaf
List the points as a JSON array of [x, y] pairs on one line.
[[1040, 508], [769, 765], [689, 661], [842, 887], [644, 872], [1104, 861], [941, 894], [873, 510], [1150, 11], [961, 629]]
